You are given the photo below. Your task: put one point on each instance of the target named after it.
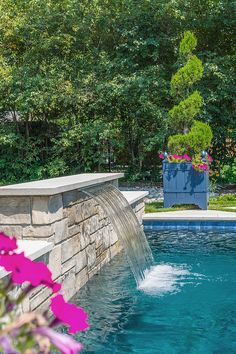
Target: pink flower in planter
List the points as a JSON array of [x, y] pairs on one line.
[[69, 314], [193, 166], [178, 157], [210, 159], [65, 344], [186, 157], [205, 166], [161, 156], [7, 244], [25, 270]]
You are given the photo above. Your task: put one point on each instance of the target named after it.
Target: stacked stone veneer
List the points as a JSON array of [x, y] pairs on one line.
[[82, 235]]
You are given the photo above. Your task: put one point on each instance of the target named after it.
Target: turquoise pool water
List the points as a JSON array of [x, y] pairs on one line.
[[187, 305]]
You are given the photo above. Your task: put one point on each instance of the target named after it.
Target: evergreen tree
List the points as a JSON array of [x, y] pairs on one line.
[[193, 136]]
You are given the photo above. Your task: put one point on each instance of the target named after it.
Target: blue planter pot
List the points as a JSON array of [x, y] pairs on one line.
[[184, 185]]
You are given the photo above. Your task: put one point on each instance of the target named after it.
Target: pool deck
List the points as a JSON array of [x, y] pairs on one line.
[[187, 215]]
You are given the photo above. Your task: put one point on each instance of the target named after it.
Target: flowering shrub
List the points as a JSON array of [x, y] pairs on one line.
[[198, 163], [32, 333]]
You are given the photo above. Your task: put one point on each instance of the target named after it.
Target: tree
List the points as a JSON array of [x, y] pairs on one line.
[[196, 136], [78, 71]]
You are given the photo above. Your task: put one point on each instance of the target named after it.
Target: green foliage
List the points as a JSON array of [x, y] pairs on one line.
[[231, 198], [187, 44], [199, 138], [215, 203], [78, 70], [228, 172], [182, 115], [185, 77]]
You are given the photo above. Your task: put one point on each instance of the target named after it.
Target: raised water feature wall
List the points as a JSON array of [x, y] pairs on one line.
[[76, 236]]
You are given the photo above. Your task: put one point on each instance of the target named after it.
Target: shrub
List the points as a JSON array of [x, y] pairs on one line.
[[186, 76], [199, 138], [228, 172], [193, 136], [182, 115]]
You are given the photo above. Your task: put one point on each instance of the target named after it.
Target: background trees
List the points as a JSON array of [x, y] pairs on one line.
[[85, 84]]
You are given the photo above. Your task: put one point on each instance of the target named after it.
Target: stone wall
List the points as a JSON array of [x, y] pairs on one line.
[[82, 235]]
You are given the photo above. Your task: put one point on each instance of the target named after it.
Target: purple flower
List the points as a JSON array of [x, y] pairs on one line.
[[6, 345], [161, 156], [64, 343]]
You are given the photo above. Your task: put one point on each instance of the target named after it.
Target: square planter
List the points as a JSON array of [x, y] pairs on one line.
[[184, 185]]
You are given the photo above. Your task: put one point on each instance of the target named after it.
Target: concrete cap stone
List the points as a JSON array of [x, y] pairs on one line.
[[58, 185]]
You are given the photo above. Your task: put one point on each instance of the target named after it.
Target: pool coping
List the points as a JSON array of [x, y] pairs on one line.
[[134, 196], [202, 220], [191, 215], [57, 185]]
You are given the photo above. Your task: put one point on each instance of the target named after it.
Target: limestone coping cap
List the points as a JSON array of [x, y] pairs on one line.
[[134, 196], [58, 185], [191, 215]]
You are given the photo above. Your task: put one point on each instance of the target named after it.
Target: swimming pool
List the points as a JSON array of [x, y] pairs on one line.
[[186, 305]]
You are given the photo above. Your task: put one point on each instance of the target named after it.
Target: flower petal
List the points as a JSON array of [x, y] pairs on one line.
[[6, 345], [75, 317], [64, 343], [7, 243], [25, 270]]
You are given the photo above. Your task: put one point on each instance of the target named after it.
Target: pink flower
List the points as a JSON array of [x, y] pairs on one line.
[[69, 314], [25, 270], [210, 159], [186, 157], [161, 156], [64, 343], [177, 157], [7, 243], [193, 166]]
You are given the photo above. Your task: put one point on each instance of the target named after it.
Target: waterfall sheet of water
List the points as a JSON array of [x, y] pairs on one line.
[[126, 226]]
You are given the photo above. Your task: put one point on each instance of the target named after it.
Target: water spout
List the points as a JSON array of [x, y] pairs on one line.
[[126, 226]]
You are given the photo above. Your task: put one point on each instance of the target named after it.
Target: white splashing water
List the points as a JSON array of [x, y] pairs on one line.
[[166, 278]]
